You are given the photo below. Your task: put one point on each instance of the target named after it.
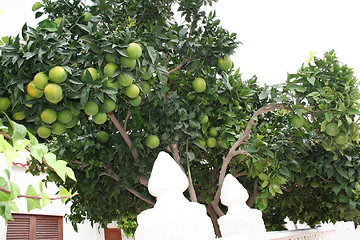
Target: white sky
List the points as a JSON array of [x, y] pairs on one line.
[[277, 35]]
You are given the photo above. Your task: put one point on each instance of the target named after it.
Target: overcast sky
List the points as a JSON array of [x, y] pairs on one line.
[[277, 35]]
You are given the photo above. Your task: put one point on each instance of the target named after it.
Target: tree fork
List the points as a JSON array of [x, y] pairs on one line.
[[123, 133], [234, 150]]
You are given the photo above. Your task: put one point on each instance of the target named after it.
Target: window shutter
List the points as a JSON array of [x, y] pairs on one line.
[[112, 234], [19, 228], [35, 227], [48, 228]]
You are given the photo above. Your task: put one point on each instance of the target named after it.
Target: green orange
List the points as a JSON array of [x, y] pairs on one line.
[[332, 129], [48, 115], [65, 116], [57, 74], [43, 132], [199, 85], [134, 51], [132, 91], [5, 103], [152, 141], [100, 118], [53, 93], [33, 91], [41, 80], [91, 108]]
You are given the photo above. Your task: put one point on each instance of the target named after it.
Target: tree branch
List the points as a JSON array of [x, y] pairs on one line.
[[240, 174], [33, 197], [234, 151], [81, 164], [127, 119], [214, 221], [256, 193], [137, 194], [143, 181], [185, 61], [124, 134], [6, 135]]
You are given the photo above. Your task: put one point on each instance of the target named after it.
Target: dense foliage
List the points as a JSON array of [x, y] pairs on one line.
[[292, 163]]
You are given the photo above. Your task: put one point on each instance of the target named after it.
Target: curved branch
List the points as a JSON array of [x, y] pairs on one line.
[[124, 134], [185, 61], [234, 151]]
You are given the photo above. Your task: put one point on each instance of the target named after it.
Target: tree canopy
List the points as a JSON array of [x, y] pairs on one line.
[[109, 85]]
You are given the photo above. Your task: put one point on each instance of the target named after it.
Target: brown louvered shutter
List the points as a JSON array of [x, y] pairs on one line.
[[19, 228], [48, 228], [112, 234], [35, 227]]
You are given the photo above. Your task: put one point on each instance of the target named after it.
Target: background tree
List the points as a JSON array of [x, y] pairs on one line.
[[108, 86]]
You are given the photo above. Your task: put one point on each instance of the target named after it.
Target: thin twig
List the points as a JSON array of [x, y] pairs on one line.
[[127, 118], [33, 197], [240, 174]]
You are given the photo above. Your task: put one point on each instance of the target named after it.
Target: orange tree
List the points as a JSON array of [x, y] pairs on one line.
[[108, 86]]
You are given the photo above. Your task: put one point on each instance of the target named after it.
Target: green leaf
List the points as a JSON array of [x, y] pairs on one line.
[[311, 80], [336, 189], [32, 203], [60, 169], [351, 172], [38, 151], [15, 191], [152, 53], [64, 193], [329, 116], [45, 200], [342, 172], [263, 176], [7, 173], [264, 94], [36, 6], [285, 171], [4, 197], [19, 131], [297, 88], [353, 111], [9, 151], [70, 173], [48, 25], [14, 207], [84, 97], [33, 139], [264, 184], [50, 159], [348, 119]]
